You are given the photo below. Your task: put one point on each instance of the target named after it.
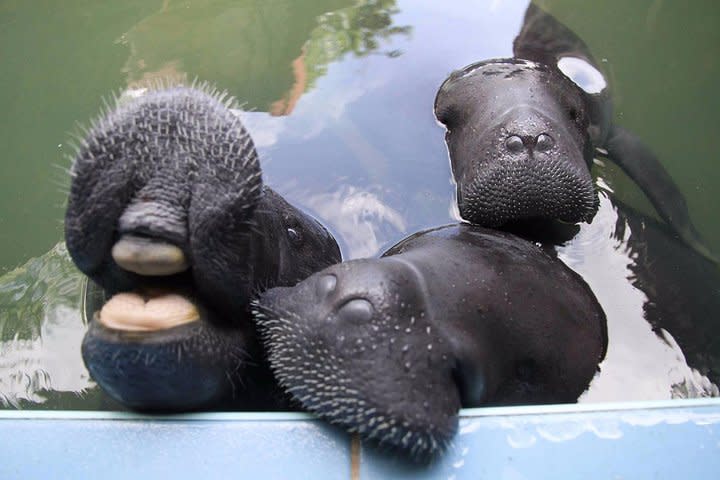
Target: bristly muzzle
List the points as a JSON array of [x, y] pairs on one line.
[[326, 383], [523, 190]]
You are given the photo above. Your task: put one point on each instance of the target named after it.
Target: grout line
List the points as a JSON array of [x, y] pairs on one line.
[[355, 457]]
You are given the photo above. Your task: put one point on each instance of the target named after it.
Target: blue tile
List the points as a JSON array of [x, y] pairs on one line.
[[199, 450], [653, 443], [679, 439]]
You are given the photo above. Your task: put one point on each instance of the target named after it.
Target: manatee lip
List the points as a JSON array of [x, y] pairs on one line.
[[148, 256], [147, 311]]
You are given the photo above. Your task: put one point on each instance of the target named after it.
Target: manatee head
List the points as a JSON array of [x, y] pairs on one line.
[[353, 344], [168, 212], [517, 135]]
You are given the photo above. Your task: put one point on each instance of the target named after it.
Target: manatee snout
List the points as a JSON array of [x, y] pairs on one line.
[[525, 167], [353, 344]]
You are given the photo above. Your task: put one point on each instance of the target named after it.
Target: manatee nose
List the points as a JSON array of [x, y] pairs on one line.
[[544, 142], [356, 310], [541, 143], [325, 285]]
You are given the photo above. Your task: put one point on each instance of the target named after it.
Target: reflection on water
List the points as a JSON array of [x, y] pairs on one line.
[[265, 53], [41, 331], [360, 218], [340, 96], [639, 364]]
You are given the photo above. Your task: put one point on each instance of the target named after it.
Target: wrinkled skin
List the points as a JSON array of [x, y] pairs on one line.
[[522, 133], [456, 316], [167, 196]]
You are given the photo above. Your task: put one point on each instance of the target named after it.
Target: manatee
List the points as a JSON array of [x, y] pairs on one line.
[[168, 215], [454, 316], [682, 288], [522, 133]]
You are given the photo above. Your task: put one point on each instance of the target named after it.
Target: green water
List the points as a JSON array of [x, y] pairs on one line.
[[340, 98]]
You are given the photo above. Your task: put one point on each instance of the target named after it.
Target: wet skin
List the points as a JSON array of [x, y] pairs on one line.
[[456, 316], [167, 208], [522, 133]]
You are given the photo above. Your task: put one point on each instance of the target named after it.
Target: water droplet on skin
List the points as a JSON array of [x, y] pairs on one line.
[[408, 330], [430, 346], [407, 366], [406, 348]]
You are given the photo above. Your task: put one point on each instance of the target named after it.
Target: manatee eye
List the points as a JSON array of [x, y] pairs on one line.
[[357, 310], [544, 142], [514, 144], [295, 236]]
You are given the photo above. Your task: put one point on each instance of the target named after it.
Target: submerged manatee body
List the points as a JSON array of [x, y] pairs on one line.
[[167, 211], [456, 316]]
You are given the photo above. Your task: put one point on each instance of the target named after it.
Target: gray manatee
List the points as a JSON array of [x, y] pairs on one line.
[[168, 214], [522, 133], [455, 316]]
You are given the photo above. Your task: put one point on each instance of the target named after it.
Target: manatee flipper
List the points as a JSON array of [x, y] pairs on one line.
[[642, 166]]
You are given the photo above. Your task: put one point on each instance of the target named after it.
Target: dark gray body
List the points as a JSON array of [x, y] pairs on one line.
[[176, 168], [682, 288], [456, 316], [522, 133]]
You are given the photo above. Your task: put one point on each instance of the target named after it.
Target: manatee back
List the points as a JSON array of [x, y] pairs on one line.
[[521, 322]]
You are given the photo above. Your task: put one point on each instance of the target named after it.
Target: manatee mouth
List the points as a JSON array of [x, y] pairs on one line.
[[527, 189], [147, 311], [158, 349], [164, 295]]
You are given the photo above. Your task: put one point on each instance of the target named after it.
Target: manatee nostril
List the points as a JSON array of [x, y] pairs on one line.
[[544, 142], [357, 310], [325, 285], [514, 144]]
